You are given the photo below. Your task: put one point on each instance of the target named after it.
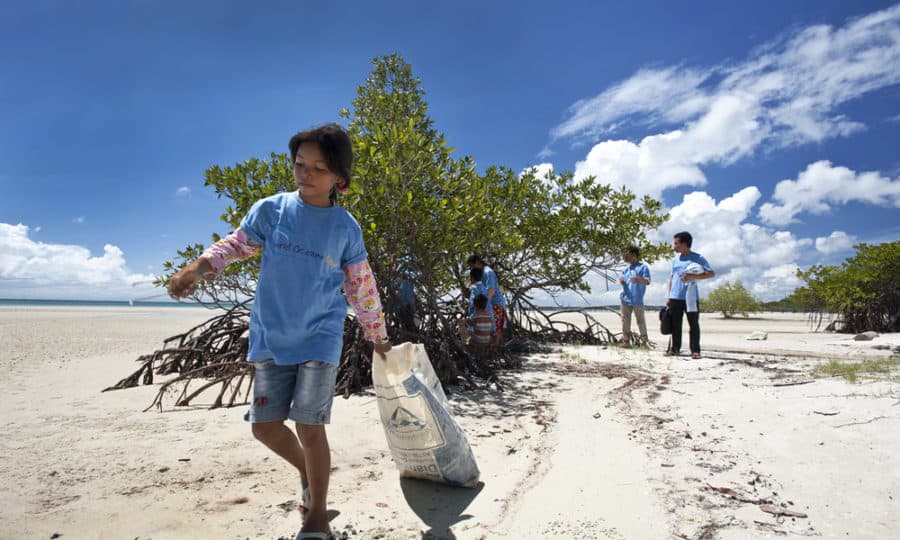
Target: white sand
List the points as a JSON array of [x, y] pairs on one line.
[[593, 443]]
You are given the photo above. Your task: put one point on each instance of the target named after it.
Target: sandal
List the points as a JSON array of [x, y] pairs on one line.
[[695, 356]]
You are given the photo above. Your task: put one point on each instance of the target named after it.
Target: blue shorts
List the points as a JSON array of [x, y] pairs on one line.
[[302, 392]]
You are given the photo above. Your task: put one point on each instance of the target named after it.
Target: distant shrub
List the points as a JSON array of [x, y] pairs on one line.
[[731, 299]]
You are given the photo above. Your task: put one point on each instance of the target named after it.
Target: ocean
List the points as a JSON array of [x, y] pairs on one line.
[[96, 303], [173, 304]]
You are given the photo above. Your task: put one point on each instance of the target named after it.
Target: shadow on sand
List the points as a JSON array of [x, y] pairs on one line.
[[439, 506], [520, 395]]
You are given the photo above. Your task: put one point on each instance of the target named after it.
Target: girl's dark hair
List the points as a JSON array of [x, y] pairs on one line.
[[334, 143], [476, 258], [481, 301], [476, 274]]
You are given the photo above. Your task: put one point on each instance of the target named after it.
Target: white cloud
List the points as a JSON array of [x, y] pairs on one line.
[[541, 170], [183, 191], [787, 92], [79, 220], [30, 269], [836, 242], [545, 153], [822, 185], [669, 92], [726, 132], [764, 259], [781, 278]]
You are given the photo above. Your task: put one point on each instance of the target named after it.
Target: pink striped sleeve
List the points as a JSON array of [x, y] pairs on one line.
[[234, 247], [361, 292]]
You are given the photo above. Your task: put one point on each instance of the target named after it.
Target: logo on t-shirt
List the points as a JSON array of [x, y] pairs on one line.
[[285, 246]]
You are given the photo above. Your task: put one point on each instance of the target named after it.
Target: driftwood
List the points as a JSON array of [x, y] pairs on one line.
[[774, 510], [214, 354], [211, 353]]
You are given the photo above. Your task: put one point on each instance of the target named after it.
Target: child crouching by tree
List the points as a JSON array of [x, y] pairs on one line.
[[481, 324], [311, 248]]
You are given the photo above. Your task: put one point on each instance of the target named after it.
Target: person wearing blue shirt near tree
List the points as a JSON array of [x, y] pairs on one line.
[[678, 288], [310, 250], [495, 295], [634, 281]]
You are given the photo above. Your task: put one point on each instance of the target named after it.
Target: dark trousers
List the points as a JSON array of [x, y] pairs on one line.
[[678, 307]]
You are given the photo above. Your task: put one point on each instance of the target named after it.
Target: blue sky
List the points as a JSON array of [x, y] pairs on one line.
[[769, 129]]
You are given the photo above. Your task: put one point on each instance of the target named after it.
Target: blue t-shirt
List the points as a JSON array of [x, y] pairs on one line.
[[490, 281], [407, 296], [679, 288], [298, 313], [633, 293]]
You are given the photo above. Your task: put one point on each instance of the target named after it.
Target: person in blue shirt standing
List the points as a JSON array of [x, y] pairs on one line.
[[634, 281], [678, 289], [495, 296]]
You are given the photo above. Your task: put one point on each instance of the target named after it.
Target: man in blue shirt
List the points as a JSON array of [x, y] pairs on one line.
[[682, 275], [634, 281]]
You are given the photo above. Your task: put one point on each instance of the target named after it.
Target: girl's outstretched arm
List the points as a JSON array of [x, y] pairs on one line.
[[234, 247], [362, 293]]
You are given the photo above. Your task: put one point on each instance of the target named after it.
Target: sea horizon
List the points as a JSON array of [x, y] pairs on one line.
[[54, 302], [51, 302]]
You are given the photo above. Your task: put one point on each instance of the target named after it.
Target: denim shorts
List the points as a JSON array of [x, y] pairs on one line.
[[302, 392]]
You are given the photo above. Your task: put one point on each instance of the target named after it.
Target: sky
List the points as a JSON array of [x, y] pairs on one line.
[[770, 130]]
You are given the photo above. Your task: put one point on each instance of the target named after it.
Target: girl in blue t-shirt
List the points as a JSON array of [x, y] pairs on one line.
[[311, 249]]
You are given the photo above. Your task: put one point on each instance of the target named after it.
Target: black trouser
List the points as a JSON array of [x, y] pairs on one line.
[[678, 307]]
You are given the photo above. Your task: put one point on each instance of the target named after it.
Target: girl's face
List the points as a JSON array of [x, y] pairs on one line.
[[311, 174]]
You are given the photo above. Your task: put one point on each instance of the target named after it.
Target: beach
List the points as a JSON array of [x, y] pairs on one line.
[[583, 442]]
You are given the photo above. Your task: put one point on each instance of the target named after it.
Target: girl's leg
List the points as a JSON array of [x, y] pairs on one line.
[[318, 470], [273, 391], [281, 440], [311, 410]]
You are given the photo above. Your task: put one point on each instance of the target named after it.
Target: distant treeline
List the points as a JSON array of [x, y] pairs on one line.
[[789, 304], [611, 307], [785, 305]]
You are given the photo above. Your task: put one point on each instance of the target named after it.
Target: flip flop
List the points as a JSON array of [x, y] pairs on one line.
[[304, 501]]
